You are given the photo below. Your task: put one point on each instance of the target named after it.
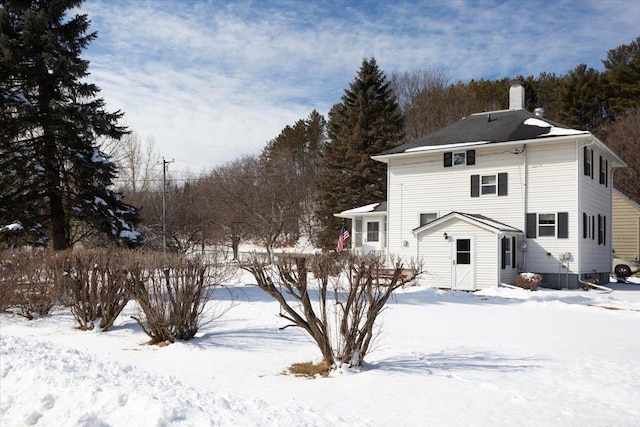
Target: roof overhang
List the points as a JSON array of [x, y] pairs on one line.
[[588, 138], [373, 209]]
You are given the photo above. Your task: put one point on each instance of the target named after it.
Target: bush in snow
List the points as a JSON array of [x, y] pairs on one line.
[[529, 281], [25, 284], [339, 311], [93, 284], [172, 292]]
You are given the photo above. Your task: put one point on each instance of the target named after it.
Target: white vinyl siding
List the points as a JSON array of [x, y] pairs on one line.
[[595, 200], [421, 185], [553, 189], [437, 254], [625, 227]]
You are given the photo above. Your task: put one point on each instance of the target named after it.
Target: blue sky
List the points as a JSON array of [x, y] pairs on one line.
[[211, 81]]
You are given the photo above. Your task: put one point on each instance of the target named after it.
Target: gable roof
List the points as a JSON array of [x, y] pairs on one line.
[[478, 220], [490, 127]]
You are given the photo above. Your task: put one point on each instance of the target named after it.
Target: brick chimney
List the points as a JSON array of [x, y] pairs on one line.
[[516, 95]]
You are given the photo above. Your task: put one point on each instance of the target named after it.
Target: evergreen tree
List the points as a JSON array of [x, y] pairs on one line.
[[623, 72], [296, 151], [54, 179], [584, 100], [368, 121]]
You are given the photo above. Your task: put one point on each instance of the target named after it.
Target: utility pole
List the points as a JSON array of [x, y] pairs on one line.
[[165, 165]]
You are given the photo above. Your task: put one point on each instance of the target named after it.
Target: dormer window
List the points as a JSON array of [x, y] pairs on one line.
[[459, 158]]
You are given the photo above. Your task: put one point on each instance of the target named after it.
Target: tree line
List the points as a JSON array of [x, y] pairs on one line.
[[66, 163]]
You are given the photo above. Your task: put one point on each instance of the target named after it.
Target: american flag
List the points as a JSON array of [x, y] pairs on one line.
[[344, 235]]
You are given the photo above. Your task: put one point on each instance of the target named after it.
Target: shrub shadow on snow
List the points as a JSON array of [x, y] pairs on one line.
[[444, 363], [252, 339]]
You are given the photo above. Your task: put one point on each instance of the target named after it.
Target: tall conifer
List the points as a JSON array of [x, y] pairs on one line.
[[55, 180], [368, 121]]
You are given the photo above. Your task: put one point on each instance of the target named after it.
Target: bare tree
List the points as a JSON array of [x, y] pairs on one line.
[[137, 162], [340, 309]]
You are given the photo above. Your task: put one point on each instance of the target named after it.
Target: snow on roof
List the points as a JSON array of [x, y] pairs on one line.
[[378, 208], [554, 131]]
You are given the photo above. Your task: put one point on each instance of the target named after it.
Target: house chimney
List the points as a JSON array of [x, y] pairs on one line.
[[516, 95]]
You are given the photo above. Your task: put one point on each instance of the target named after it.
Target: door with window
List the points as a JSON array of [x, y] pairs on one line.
[[372, 236], [463, 276]]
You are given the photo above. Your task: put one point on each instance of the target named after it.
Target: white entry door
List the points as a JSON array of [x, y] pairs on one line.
[[372, 237], [463, 276]]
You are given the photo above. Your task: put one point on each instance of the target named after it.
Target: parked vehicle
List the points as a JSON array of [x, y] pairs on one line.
[[625, 267]]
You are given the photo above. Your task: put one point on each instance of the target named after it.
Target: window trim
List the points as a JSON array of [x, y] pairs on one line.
[[434, 214], [547, 226]]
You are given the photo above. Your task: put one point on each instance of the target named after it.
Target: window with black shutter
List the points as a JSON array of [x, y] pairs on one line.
[[600, 229], [588, 162]]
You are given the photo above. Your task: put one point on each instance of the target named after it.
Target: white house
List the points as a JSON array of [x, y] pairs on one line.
[[492, 195]]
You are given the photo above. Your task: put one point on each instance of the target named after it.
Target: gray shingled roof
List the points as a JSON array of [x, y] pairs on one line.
[[493, 127]]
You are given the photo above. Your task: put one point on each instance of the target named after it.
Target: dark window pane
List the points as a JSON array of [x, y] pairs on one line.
[[463, 245]]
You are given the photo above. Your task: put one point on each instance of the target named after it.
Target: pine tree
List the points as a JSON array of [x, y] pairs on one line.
[[368, 121], [623, 72], [584, 100], [54, 179]]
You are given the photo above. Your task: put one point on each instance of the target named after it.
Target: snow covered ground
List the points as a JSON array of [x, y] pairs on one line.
[[494, 358]]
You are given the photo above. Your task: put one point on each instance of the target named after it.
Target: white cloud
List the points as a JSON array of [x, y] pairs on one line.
[[214, 80]]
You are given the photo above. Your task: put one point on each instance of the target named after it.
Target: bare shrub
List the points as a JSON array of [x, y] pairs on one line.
[[530, 281], [93, 284], [172, 292], [339, 312], [24, 284]]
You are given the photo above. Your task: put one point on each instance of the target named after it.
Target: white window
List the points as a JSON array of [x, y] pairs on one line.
[[547, 225], [358, 232], [489, 184], [373, 231], [427, 217], [459, 159]]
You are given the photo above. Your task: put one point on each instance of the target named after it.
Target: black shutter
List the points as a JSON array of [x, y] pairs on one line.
[[471, 157], [532, 225], [599, 229], [585, 225], [563, 225], [502, 184], [604, 230], [593, 227], [448, 159], [475, 185], [504, 252], [513, 252], [606, 173]]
